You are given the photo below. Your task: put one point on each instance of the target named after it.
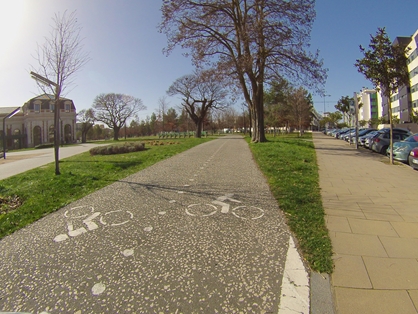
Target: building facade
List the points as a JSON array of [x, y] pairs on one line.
[[369, 109], [34, 123]]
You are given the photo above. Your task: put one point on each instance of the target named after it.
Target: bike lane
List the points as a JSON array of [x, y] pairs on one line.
[[197, 233]]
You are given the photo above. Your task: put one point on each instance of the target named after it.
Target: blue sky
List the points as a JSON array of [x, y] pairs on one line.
[[125, 47]]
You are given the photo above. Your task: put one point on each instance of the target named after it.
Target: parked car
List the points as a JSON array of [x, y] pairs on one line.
[[362, 135], [340, 135], [340, 131], [351, 137], [402, 149], [380, 143], [369, 138], [413, 158]]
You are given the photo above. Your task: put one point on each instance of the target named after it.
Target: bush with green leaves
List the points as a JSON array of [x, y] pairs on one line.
[[128, 147]]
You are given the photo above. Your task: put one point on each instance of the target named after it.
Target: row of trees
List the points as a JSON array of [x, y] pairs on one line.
[[287, 106], [204, 105]]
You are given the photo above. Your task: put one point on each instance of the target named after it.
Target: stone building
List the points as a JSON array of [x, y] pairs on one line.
[[34, 123]]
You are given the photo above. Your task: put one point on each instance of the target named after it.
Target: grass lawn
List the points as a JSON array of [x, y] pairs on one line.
[[289, 163]]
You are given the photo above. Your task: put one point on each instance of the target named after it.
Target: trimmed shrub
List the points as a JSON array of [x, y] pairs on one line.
[[128, 147]]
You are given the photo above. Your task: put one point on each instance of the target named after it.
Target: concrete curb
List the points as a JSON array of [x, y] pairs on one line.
[[322, 301]]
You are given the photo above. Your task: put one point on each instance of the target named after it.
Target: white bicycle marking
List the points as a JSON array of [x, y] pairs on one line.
[[258, 217], [204, 215], [220, 201], [75, 208], [115, 224], [90, 225]]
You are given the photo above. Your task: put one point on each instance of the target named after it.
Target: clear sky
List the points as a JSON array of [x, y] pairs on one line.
[[125, 47]]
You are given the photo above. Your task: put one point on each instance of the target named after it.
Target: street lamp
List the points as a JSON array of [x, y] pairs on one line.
[[47, 82], [325, 95], [4, 129]]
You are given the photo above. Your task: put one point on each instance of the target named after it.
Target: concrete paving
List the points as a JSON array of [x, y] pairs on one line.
[[197, 233], [372, 216], [21, 161]]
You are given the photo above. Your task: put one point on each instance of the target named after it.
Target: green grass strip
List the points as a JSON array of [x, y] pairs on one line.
[[290, 165], [43, 192]]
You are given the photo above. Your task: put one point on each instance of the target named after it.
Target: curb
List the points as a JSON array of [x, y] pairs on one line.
[[322, 301]]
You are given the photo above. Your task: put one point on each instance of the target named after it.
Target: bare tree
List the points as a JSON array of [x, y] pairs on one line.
[[301, 109], [115, 109], [162, 109], [253, 41], [200, 92], [59, 58], [86, 119]]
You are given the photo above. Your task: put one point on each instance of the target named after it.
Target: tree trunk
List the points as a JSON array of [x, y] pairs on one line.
[[257, 115], [199, 125], [116, 133], [83, 137]]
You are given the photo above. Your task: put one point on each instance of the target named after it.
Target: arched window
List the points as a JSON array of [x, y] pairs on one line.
[[67, 134], [37, 135], [17, 140]]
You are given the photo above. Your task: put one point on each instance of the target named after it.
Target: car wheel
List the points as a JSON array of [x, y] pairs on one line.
[[383, 150]]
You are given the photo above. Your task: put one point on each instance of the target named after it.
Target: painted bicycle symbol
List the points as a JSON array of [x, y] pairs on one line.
[[243, 212], [88, 215]]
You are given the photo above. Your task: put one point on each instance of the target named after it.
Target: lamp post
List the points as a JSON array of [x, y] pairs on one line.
[[325, 95], [48, 82], [4, 129]]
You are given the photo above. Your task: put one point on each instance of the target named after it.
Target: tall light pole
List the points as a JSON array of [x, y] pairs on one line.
[[47, 82], [325, 95]]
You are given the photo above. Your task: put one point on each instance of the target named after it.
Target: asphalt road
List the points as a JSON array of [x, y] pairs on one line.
[[197, 233]]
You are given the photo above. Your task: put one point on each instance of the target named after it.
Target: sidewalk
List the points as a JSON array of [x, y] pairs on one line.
[[22, 161], [372, 216]]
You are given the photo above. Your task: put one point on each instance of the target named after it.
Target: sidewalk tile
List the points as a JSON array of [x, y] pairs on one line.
[[392, 273], [344, 213], [400, 247], [355, 199], [414, 296], [384, 217], [406, 229], [374, 227], [364, 301], [336, 223], [381, 209], [357, 244], [343, 206], [350, 271]]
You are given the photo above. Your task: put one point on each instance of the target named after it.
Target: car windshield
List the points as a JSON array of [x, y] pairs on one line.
[[412, 138]]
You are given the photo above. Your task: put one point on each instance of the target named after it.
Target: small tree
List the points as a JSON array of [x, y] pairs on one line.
[[115, 109], [385, 66], [86, 119], [343, 106], [301, 108], [59, 58]]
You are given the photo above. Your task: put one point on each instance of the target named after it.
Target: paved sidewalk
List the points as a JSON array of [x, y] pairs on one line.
[[21, 161], [372, 215]]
